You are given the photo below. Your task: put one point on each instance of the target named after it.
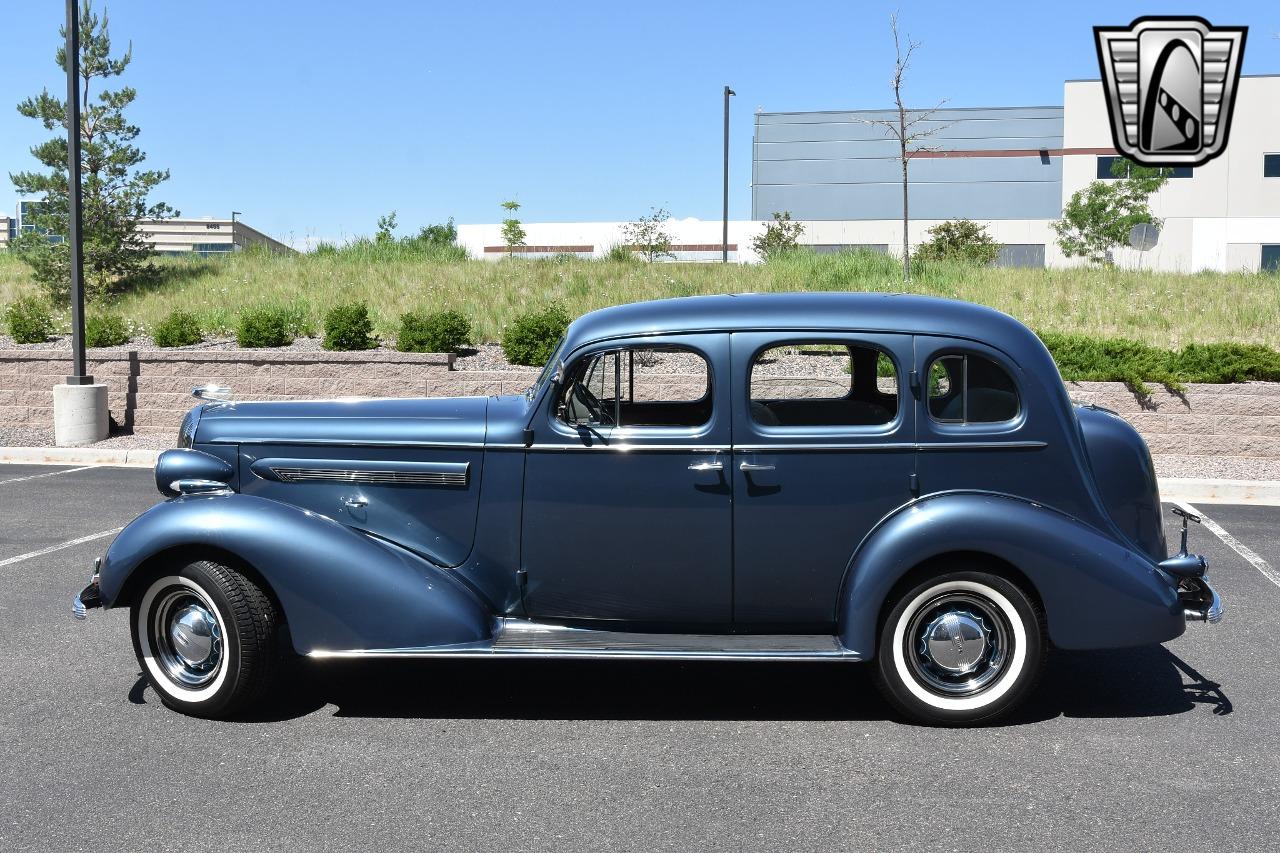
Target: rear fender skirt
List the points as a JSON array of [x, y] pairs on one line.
[[338, 588], [1097, 593]]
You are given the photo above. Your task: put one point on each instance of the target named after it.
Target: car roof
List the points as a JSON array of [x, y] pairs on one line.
[[834, 311]]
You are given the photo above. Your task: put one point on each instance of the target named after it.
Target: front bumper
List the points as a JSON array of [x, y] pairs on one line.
[[89, 597]]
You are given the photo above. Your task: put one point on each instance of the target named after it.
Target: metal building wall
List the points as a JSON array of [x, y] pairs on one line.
[[989, 163]]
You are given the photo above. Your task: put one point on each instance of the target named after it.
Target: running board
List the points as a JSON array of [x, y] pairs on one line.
[[522, 638]]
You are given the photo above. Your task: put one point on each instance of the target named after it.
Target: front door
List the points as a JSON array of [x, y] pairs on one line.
[[824, 435], [627, 506]]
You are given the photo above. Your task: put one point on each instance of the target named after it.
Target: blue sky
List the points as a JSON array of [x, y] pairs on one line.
[[315, 117]]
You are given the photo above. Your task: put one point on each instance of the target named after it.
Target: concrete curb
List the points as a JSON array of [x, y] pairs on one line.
[[1256, 492], [130, 457]]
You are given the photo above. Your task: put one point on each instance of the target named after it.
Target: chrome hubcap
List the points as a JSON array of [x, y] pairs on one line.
[[187, 637], [191, 634], [958, 643]]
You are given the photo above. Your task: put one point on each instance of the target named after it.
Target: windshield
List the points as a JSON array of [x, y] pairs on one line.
[[547, 372]]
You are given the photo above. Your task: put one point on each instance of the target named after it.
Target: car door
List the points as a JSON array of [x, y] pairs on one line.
[[627, 503], [823, 449]]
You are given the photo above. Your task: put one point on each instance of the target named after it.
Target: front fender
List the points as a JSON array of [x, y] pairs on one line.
[[1097, 593], [339, 589]]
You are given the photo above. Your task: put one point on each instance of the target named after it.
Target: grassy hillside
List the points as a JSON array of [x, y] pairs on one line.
[[1157, 308]]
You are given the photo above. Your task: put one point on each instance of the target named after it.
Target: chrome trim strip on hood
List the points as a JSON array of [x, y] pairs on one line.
[[363, 471]]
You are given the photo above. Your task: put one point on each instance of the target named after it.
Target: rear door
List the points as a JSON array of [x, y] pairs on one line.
[[823, 436]]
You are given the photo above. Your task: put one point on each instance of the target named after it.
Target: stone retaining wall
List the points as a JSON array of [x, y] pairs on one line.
[[150, 391]]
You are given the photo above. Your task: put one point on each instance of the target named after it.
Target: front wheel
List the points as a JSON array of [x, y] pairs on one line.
[[961, 648], [206, 637]]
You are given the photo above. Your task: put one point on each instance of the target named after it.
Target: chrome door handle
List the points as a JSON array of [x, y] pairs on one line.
[[754, 466], [354, 503], [706, 466]]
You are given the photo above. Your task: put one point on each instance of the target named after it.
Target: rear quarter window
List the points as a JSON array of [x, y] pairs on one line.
[[964, 388]]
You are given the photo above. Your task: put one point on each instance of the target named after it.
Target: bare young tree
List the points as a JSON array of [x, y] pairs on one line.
[[907, 128]]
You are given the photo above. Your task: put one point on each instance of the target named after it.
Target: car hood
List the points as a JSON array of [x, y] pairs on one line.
[[441, 420]]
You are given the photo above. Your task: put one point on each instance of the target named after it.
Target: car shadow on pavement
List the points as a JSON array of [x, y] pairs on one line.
[[1150, 681]]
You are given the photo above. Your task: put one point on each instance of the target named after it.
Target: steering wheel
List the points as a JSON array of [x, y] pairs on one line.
[[592, 402]]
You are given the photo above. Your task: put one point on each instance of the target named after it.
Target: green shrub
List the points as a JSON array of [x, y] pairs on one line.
[[29, 321], [959, 240], [348, 327], [1083, 358], [436, 331], [531, 338], [619, 253], [179, 329], [105, 330], [1227, 363], [266, 326]]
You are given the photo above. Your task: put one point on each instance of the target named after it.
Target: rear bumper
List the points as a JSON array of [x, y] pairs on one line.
[[1201, 602]]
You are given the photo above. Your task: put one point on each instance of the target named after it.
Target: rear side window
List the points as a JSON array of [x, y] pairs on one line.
[[971, 389], [823, 384]]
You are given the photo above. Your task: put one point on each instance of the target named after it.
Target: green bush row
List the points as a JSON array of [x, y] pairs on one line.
[[1084, 358], [531, 338]]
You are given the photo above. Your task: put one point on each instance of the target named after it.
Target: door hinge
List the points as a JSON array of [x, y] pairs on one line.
[[527, 435], [915, 384], [913, 483]]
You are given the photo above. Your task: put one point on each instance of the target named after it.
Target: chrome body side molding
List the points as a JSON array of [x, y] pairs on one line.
[[363, 471], [523, 638]]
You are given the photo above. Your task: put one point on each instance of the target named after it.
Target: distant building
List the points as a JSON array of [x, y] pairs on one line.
[[203, 237], [1013, 169]]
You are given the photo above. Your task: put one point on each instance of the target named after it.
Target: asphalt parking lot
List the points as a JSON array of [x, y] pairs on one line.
[[1173, 747]]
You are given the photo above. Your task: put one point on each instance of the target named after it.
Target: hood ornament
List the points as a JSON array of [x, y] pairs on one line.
[[213, 393]]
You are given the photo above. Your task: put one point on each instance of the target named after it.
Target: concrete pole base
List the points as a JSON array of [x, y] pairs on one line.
[[80, 414]]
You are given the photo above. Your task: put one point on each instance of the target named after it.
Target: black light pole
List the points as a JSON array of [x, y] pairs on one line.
[[79, 365], [724, 237]]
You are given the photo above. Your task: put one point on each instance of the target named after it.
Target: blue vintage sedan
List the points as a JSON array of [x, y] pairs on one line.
[[828, 476]]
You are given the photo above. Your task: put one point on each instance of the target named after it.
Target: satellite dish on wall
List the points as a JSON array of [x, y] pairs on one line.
[[1144, 236]]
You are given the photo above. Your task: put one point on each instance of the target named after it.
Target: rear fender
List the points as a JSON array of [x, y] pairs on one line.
[[1097, 593], [339, 589]]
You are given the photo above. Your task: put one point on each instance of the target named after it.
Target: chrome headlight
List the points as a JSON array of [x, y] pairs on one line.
[[186, 471]]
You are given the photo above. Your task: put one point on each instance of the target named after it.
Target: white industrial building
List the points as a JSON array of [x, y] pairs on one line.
[[1011, 168], [181, 236]]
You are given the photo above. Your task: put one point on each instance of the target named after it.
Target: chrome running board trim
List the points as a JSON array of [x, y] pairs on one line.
[[521, 638]]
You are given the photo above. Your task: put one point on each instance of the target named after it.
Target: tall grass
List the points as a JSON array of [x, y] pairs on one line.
[[1161, 309]]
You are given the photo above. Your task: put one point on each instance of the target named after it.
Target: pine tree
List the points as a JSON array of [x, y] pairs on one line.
[[114, 189]]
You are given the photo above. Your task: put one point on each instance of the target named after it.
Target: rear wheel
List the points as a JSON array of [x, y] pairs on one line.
[[207, 638], [960, 648]]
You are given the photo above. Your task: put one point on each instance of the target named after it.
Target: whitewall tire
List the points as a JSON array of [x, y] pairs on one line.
[[959, 648], [206, 637]]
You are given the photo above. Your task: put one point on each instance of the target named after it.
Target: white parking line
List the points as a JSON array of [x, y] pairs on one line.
[[1239, 547], [60, 546], [49, 474]]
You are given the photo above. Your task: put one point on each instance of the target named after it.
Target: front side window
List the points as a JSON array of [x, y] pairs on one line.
[[638, 387], [823, 384], [970, 389]]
